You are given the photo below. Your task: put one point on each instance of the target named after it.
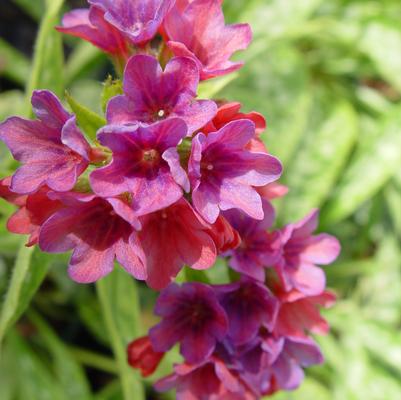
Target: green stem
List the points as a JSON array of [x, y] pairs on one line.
[[131, 386]]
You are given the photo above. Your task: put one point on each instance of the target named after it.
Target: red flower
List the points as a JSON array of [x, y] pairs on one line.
[[142, 356]]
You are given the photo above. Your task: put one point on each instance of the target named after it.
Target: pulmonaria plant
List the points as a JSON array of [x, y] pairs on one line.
[[171, 181]]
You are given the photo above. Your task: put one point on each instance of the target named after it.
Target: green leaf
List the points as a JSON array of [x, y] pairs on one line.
[[70, 374], [35, 381], [368, 173], [34, 8], [12, 299], [319, 162], [211, 88], [111, 88], [13, 64], [120, 307], [29, 272], [88, 121], [84, 58], [381, 41], [10, 103], [47, 68]]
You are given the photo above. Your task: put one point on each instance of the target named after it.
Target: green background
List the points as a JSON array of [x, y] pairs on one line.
[[327, 76]]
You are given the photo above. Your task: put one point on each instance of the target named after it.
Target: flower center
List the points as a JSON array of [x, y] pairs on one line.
[[161, 113], [136, 28], [150, 156]]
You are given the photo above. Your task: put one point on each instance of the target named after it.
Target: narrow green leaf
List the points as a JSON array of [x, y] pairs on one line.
[[13, 64], [386, 58], [34, 8], [29, 272], [47, 68], [89, 121], [393, 199], [12, 299], [368, 173], [319, 162], [94, 360], [120, 307], [111, 88], [35, 380], [70, 374]]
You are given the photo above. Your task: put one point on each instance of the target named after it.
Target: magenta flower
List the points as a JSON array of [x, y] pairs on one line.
[[199, 31], [52, 150], [138, 20], [171, 238], [249, 306], [211, 380], [145, 164], [301, 251], [191, 316], [92, 228], [223, 172], [258, 249], [152, 94], [90, 25]]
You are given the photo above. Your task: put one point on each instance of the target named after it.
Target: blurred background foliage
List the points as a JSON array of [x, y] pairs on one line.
[[327, 75]]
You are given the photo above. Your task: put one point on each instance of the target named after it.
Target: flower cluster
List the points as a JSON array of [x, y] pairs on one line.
[[249, 338], [173, 180]]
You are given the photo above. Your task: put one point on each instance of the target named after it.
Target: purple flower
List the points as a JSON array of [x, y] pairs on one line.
[[90, 25], [152, 94], [191, 316], [145, 164], [223, 173], [296, 353], [92, 228], [249, 306], [258, 249], [198, 30], [301, 251], [139, 20], [52, 150]]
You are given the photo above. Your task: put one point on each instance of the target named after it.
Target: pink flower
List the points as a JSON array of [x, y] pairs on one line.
[[301, 251], [145, 165], [272, 191], [199, 31], [97, 233], [152, 94], [191, 316], [258, 249], [138, 20], [224, 235], [52, 150], [222, 172], [231, 112], [299, 314], [141, 355], [91, 25], [171, 238], [211, 380], [34, 210]]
